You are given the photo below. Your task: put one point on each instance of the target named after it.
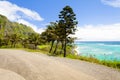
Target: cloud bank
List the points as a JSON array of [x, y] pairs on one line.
[[19, 14], [113, 3], [99, 32]]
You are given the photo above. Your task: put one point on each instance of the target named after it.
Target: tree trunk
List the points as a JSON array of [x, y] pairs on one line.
[[51, 46], [23, 45], [14, 45], [0, 42], [35, 46], [62, 47], [56, 48], [65, 49], [0, 27]]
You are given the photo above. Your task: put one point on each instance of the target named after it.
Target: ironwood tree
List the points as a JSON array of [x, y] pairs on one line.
[[67, 24]]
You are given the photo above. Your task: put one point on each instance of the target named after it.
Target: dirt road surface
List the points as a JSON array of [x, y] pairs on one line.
[[22, 65]]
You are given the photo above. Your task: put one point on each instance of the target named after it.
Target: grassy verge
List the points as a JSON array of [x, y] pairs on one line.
[[113, 64]]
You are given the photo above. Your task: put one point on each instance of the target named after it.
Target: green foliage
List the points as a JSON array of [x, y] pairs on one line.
[[34, 39], [113, 64], [57, 33], [43, 46], [67, 25], [7, 27], [12, 34]]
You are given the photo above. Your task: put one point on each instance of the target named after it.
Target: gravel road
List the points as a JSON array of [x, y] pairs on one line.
[[22, 65]]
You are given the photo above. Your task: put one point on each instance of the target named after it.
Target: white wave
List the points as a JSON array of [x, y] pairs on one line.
[[101, 44], [108, 53], [114, 45], [76, 50]]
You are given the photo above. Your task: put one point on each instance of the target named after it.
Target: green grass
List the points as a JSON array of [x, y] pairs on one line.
[[89, 59], [43, 46], [113, 64]]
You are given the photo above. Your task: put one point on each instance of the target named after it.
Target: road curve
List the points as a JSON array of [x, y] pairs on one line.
[[30, 66], [9, 75]]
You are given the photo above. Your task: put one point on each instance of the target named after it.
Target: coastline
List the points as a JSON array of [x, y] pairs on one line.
[[102, 50], [76, 50]]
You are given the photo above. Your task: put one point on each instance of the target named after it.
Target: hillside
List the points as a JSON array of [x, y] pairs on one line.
[[8, 27]]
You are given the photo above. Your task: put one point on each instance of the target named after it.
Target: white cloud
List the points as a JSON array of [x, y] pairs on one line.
[[27, 23], [14, 12], [34, 27], [40, 30], [99, 32], [19, 14], [113, 3]]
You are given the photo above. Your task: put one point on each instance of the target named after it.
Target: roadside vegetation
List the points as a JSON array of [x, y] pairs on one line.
[[56, 40], [114, 64]]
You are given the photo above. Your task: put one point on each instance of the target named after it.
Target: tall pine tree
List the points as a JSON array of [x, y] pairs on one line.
[[67, 24]]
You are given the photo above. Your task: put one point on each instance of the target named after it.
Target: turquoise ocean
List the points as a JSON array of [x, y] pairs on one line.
[[102, 50]]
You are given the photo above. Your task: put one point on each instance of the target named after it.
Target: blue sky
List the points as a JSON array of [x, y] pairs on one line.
[[87, 11], [95, 17]]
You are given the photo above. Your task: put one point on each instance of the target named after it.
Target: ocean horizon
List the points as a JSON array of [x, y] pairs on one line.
[[102, 50]]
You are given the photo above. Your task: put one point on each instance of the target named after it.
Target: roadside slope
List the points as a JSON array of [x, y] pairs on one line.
[[42, 67]]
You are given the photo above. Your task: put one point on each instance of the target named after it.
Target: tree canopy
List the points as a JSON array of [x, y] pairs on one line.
[[67, 23], [61, 30]]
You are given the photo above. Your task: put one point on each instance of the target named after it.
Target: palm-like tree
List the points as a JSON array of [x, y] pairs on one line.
[[1, 38], [24, 41], [14, 39], [34, 38], [51, 36]]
